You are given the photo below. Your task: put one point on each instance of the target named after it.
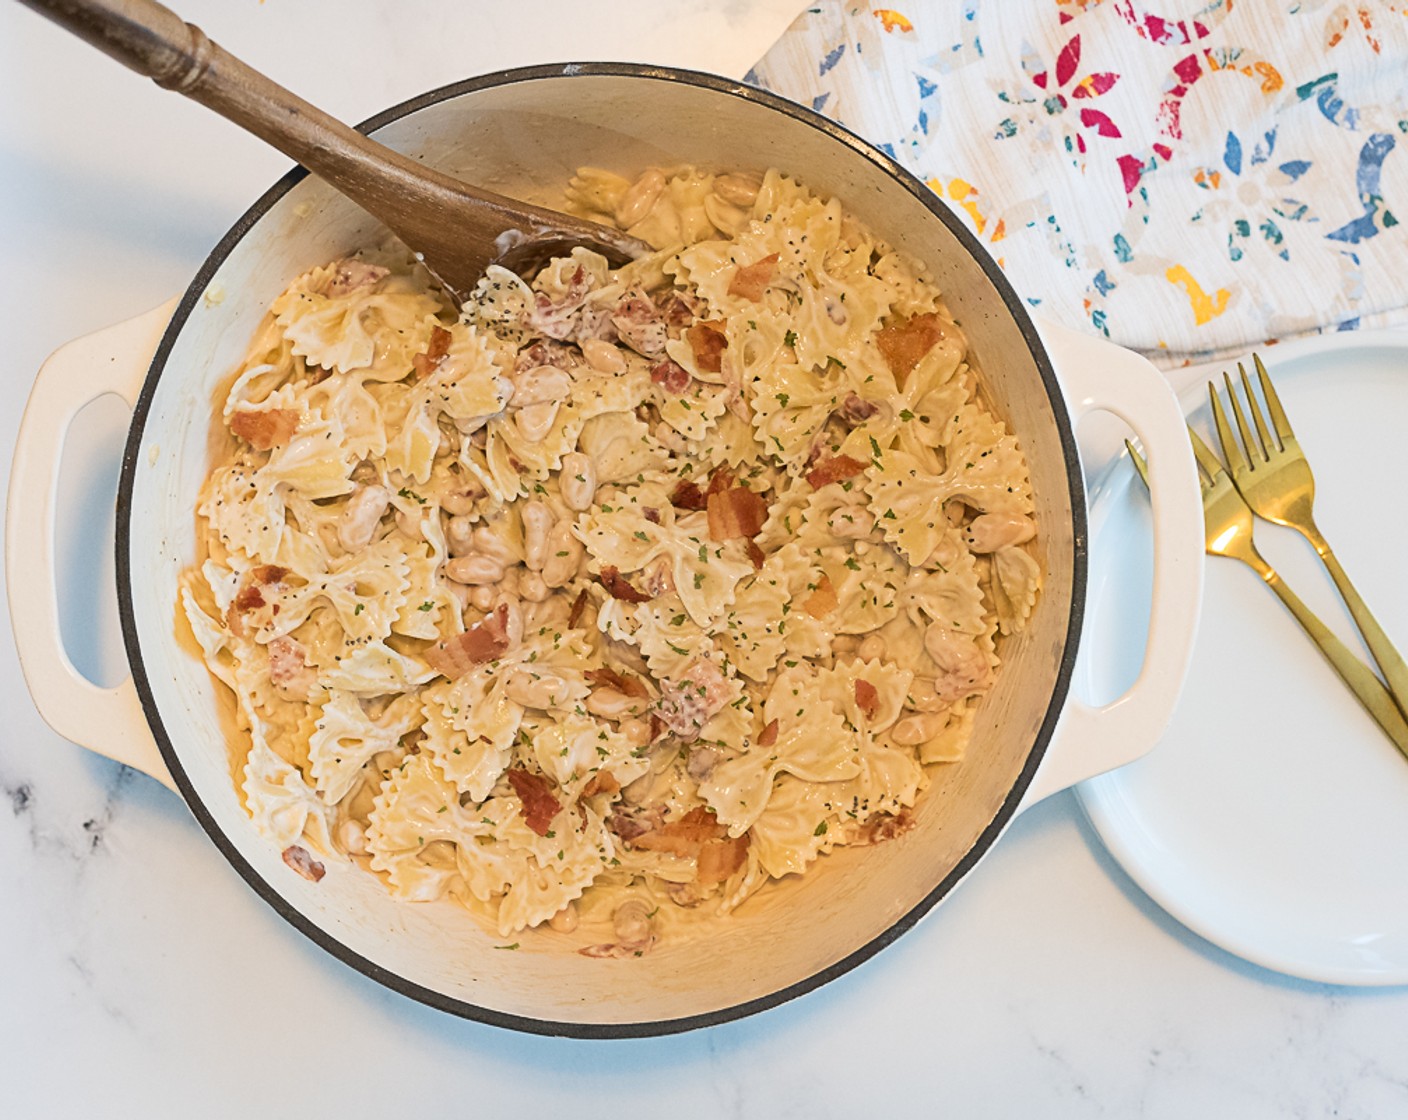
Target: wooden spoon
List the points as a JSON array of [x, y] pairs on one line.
[[455, 229]]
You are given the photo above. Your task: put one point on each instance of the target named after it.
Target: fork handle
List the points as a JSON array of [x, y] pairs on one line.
[[1389, 659], [1367, 688]]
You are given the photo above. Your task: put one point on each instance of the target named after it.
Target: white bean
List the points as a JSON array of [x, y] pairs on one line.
[[535, 690], [353, 837], [461, 502], [564, 553], [636, 731], [361, 516], [577, 481], [737, 190], [411, 524], [462, 594], [459, 535], [922, 697], [482, 597], [610, 704], [915, 731], [490, 542], [724, 216], [991, 531], [851, 521], [631, 921], [640, 199], [603, 356], [963, 666], [565, 920], [532, 587], [536, 420], [872, 649], [475, 568], [537, 523], [539, 384]]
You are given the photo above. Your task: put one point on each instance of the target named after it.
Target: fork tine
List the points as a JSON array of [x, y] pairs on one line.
[[1230, 449], [1267, 443], [1206, 457], [1279, 422], [1139, 464], [1242, 426]]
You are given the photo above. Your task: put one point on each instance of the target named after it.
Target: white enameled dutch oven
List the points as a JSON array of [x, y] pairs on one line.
[[524, 132]]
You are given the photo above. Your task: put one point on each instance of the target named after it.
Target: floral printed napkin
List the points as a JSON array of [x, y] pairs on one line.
[[1189, 178]]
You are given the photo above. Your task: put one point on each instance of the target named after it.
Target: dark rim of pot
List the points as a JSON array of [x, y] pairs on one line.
[[605, 1030]]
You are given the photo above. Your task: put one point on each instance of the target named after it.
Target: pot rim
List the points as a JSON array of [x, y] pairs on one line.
[[860, 954]]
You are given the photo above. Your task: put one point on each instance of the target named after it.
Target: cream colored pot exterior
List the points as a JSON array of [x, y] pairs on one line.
[[524, 133]]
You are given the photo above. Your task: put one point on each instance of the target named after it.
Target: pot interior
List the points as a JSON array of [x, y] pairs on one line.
[[524, 134]]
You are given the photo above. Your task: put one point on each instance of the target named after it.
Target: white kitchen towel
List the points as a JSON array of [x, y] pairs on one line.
[[1186, 177]]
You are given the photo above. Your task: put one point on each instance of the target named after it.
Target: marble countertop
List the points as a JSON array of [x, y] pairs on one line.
[[141, 976]]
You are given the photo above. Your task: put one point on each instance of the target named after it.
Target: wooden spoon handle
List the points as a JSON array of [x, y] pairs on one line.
[[415, 201], [154, 41]]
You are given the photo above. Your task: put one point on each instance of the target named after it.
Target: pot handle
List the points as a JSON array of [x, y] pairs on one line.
[[108, 721], [1100, 377]]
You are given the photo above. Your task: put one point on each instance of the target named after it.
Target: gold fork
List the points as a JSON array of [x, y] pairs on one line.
[[1227, 525], [1276, 482]]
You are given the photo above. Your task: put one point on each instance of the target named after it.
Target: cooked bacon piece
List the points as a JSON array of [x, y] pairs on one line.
[[718, 859], [603, 781], [609, 678], [751, 281], [349, 274], [539, 805], [755, 554], [685, 836], [884, 826], [700, 763], [736, 512], [439, 345], [719, 481], [678, 310], [708, 341], [822, 601], [768, 736], [264, 430], [903, 342], [627, 824], [651, 514], [686, 704], [619, 587], [302, 861], [855, 409], [557, 318], [546, 352], [835, 469], [688, 496], [289, 671], [250, 597], [579, 605], [485, 641], [639, 324], [867, 698], [671, 376]]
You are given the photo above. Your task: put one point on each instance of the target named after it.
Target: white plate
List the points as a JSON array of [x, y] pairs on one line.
[[1272, 818]]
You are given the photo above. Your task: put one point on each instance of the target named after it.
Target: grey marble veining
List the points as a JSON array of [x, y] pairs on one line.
[[140, 976]]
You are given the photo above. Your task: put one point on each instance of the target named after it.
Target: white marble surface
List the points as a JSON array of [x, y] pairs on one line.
[[140, 976]]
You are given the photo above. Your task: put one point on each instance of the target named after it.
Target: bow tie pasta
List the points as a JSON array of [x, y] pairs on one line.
[[620, 593]]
